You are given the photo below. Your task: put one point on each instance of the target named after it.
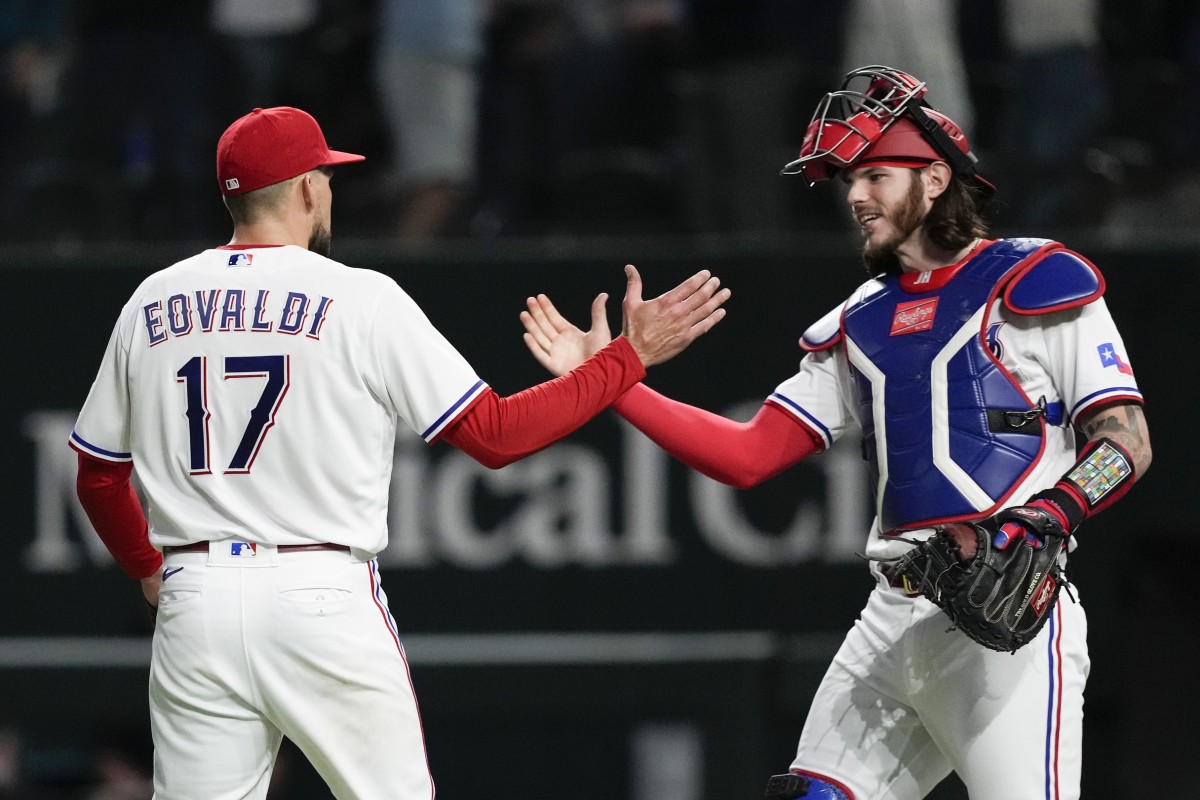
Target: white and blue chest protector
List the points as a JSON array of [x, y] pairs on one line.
[[947, 430]]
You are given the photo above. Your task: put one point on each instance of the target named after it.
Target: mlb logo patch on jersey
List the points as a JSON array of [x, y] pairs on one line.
[[1110, 358], [241, 259], [243, 549], [914, 316]]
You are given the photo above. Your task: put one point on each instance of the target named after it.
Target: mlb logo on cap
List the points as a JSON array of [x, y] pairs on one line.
[[243, 549]]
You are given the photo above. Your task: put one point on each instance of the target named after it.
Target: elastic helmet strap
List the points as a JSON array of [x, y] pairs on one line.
[[962, 163]]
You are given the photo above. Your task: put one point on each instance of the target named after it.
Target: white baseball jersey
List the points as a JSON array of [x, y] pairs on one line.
[[257, 392]]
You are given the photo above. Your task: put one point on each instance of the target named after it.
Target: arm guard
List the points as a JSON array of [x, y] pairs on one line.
[[1103, 473]]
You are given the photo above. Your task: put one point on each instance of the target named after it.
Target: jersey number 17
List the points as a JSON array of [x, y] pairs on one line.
[[194, 376]]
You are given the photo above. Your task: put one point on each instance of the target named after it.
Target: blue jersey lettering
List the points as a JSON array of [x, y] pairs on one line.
[[225, 310], [295, 309]]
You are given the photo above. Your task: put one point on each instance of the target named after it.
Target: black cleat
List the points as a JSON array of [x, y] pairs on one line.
[[786, 787]]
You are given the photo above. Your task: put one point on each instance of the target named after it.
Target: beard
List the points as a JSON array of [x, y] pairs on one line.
[[906, 218], [320, 241]]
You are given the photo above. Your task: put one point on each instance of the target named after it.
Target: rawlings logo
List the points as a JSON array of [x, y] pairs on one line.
[[1042, 595], [914, 316]]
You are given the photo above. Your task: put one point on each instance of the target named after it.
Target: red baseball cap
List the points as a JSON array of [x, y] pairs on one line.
[[270, 145]]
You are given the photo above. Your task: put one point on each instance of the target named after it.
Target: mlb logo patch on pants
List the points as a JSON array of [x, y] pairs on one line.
[[237, 553]]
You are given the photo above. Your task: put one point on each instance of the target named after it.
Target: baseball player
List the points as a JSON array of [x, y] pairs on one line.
[[974, 367], [257, 387]]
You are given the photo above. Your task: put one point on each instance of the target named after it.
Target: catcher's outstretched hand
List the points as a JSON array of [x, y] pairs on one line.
[[558, 345], [661, 328]]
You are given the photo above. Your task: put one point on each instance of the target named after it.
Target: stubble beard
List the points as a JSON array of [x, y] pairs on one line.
[[905, 218], [320, 241]]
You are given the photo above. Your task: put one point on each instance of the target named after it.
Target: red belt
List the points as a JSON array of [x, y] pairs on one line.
[[202, 547]]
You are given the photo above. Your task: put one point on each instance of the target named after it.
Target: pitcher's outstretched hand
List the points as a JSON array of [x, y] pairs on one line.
[[661, 328]]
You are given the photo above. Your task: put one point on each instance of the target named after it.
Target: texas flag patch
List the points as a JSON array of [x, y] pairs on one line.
[[1110, 358], [241, 259], [243, 549]]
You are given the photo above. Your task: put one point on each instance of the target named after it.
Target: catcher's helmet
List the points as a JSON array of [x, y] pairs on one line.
[[878, 116]]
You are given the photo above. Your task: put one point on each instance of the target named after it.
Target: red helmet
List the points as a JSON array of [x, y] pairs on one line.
[[887, 122]]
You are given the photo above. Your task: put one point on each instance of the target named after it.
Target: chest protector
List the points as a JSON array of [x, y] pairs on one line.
[[947, 431]]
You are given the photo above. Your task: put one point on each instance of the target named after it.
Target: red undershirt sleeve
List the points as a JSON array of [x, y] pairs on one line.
[[107, 495], [496, 431], [741, 454]]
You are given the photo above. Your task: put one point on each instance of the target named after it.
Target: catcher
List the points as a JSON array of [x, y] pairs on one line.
[[998, 411]]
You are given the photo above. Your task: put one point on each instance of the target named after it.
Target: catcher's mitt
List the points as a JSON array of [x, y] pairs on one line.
[[998, 597]]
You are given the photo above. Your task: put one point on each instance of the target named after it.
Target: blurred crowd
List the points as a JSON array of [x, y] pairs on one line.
[[487, 118]]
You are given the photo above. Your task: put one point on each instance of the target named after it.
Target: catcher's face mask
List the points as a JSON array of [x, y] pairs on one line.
[[853, 118], [858, 122]]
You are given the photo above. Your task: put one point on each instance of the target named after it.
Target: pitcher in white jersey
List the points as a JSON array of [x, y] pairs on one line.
[[257, 388], [985, 374]]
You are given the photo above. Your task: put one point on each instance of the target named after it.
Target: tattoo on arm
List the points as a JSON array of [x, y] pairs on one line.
[[1123, 424], [1109, 421]]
